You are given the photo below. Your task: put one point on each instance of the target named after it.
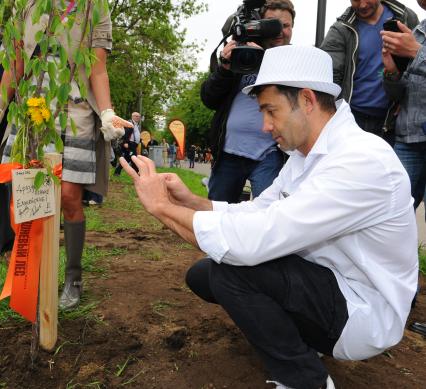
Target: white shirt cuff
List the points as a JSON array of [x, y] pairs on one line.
[[208, 232], [220, 205]]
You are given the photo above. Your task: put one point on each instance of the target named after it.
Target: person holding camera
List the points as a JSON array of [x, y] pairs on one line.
[[239, 149], [354, 42], [408, 88], [315, 263]]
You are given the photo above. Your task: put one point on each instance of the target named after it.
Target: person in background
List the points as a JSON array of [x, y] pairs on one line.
[[172, 154], [191, 156], [241, 152], [409, 90], [355, 44], [164, 151], [130, 141]]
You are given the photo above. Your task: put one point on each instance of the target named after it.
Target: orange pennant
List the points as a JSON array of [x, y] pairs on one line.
[[177, 128]]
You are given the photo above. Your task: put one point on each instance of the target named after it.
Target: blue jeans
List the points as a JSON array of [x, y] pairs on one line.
[[229, 176], [413, 157]]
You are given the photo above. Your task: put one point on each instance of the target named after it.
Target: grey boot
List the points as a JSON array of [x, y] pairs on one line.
[[74, 234]]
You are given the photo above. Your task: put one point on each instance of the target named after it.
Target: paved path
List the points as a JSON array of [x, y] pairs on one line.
[[204, 168]]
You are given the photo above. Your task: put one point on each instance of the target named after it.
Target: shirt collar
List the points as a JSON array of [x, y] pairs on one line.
[[301, 163]]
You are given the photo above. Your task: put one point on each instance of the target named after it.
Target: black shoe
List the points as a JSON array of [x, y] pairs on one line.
[[420, 328]]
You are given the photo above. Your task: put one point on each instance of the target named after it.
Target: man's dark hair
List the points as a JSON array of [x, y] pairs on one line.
[[285, 5], [326, 102]]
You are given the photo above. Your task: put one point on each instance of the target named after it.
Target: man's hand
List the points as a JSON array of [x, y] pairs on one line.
[[179, 193], [150, 186], [112, 125], [225, 54], [388, 62], [401, 44]]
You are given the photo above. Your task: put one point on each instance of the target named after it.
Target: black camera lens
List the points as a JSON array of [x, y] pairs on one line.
[[246, 59]]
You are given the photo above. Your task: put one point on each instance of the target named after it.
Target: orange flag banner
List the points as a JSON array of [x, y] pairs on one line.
[[177, 128], [22, 279]]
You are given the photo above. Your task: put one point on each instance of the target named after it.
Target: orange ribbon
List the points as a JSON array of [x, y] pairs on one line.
[[22, 279]]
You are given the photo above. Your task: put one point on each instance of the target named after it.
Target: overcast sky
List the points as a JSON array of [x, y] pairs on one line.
[[207, 27]]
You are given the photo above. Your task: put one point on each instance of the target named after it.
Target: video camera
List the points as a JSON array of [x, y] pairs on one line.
[[247, 26]]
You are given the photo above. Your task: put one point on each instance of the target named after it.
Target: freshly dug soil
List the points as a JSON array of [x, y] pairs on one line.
[[149, 331]]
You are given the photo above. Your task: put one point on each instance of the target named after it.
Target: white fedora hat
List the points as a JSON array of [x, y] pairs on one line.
[[299, 67]]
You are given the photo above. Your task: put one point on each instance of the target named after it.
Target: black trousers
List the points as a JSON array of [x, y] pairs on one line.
[[287, 308]]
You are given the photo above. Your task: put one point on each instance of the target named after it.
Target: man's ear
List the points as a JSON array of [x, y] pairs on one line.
[[307, 100]]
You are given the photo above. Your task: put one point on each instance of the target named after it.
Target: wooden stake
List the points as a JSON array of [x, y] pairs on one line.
[[48, 290]]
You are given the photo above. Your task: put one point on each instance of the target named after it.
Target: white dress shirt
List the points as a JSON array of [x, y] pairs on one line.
[[346, 206]]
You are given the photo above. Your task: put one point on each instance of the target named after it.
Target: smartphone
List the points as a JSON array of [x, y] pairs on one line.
[[391, 25], [400, 62]]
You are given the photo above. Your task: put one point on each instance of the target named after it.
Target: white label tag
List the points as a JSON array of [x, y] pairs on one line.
[[29, 203]]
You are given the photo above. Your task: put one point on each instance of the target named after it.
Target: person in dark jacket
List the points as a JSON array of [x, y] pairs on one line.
[[128, 147], [191, 156], [355, 44], [239, 149]]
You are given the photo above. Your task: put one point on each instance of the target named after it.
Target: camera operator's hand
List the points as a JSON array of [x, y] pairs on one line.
[[225, 54]]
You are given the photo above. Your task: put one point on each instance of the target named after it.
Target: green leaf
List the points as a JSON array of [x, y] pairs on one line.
[[36, 67], [39, 36], [59, 144], [63, 118], [96, 16], [44, 46], [73, 127], [51, 69], [39, 180], [63, 93], [64, 76], [63, 56], [78, 57], [55, 179]]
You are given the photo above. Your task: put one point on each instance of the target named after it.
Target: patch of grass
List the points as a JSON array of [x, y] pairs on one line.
[[95, 221], [160, 306], [192, 180], [91, 262], [422, 259], [185, 246], [152, 254]]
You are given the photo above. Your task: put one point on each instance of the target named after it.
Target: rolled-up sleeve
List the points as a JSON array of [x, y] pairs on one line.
[[102, 33], [209, 234]]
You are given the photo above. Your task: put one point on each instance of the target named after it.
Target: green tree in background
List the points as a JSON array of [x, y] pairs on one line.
[[150, 60], [189, 108]]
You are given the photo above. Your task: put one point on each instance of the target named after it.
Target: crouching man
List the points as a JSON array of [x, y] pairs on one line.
[[315, 263]]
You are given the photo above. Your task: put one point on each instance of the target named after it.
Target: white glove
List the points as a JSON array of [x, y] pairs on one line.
[[112, 125]]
